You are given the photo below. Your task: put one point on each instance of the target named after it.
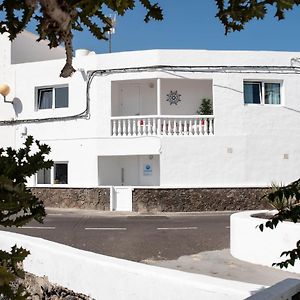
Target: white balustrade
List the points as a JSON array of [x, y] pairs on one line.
[[162, 125]]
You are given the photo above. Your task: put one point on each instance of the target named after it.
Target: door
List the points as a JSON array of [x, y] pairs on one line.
[[122, 199], [130, 100]]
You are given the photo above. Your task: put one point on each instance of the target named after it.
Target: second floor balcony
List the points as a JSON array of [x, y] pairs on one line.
[[153, 125], [161, 107]]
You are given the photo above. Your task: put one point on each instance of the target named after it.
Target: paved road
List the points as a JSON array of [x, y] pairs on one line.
[[135, 237]]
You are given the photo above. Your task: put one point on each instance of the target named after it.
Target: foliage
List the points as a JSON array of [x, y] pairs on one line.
[[205, 107], [234, 14], [18, 206], [280, 203], [57, 19], [289, 212]]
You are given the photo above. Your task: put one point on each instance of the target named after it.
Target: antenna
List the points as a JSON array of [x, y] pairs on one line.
[[113, 21]]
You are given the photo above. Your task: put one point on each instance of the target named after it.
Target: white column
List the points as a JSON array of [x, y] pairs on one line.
[[158, 91]]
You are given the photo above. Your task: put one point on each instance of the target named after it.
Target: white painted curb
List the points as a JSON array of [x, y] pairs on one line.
[[248, 243], [108, 278]]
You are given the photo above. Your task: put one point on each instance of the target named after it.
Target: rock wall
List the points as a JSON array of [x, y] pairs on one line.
[[87, 198], [199, 199], [158, 200]]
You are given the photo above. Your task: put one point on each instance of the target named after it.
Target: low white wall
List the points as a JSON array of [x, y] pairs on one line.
[[248, 243], [285, 289], [104, 277]]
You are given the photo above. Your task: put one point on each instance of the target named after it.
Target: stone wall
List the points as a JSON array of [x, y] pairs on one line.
[[158, 200], [87, 198], [198, 199]]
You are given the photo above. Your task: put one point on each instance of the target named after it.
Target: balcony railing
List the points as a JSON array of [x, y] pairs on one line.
[[193, 125]]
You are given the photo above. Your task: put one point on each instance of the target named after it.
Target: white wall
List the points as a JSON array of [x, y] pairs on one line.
[[248, 243], [192, 92], [252, 145], [103, 277]]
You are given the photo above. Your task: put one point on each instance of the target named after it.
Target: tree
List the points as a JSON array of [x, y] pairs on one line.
[[18, 206], [56, 19], [234, 14]]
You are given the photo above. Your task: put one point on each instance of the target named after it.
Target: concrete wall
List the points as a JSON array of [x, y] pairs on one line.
[[248, 243], [107, 278]]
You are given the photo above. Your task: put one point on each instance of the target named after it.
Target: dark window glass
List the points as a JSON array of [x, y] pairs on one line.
[[45, 98], [60, 173], [61, 97], [44, 176], [252, 92]]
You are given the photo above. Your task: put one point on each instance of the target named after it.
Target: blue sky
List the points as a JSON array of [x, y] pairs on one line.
[[194, 26]]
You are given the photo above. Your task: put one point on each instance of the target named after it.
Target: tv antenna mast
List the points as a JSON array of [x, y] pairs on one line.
[[113, 22]]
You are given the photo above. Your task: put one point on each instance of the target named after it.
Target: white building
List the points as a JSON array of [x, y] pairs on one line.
[[130, 119]]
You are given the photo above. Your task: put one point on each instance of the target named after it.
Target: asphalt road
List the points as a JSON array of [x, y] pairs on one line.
[[134, 237]]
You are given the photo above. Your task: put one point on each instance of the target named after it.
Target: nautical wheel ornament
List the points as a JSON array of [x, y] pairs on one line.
[[173, 97]]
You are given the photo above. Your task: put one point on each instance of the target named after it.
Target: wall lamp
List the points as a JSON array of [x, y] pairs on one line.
[[4, 91]]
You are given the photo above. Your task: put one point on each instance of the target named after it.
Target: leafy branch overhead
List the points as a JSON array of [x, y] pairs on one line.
[[57, 19], [234, 14]]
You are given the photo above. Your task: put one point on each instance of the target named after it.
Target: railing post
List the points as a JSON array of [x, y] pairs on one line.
[[114, 128], [119, 128], [124, 129], [129, 127], [185, 128], [134, 128], [154, 128]]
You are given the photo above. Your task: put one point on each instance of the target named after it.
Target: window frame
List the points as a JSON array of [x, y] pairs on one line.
[[262, 91], [53, 88]]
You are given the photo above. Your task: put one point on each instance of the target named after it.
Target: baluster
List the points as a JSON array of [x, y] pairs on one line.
[[190, 128], [124, 129], [159, 126], [154, 126], [213, 126], [164, 127], [175, 131], [185, 132], [180, 131], [144, 127], [129, 127], [205, 126], [149, 127], [134, 128], [119, 128], [195, 127], [114, 128], [169, 128], [210, 129], [139, 129]]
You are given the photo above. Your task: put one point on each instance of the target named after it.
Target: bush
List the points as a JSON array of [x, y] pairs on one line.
[[18, 206]]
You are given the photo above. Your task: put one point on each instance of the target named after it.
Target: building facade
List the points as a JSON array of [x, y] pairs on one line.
[[132, 119]]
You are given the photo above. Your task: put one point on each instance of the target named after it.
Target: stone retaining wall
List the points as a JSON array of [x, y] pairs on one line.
[[158, 200], [87, 198], [198, 199]]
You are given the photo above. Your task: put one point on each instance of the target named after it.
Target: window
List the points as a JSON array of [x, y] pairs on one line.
[[56, 175], [44, 176], [52, 97], [262, 92], [60, 173]]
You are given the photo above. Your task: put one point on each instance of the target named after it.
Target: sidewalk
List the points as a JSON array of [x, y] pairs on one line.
[[221, 264]]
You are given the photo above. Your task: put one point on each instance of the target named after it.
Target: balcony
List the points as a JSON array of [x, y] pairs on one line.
[[163, 125]]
